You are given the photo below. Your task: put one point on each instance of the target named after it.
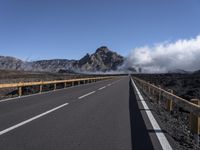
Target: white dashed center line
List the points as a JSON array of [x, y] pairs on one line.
[[86, 95], [109, 84], [31, 119], [102, 88]]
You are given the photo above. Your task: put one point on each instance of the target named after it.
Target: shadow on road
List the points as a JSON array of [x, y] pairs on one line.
[[139, 134]]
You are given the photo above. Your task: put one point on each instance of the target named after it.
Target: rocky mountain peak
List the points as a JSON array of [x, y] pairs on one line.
[[84, 59], [102, 49], [102, 60]]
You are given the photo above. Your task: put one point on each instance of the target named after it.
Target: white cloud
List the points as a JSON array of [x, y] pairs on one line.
[[182, 54]]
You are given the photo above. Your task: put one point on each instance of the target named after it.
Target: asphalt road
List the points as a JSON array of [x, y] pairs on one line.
[[98, 116]]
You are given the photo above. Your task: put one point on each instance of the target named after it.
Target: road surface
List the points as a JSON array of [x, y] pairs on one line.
[[99, 116]]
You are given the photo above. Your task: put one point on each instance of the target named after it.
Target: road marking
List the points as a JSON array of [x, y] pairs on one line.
[[31, 119], [51, 91], [160, 135], [87, 94], [109, 84], [102, 88]]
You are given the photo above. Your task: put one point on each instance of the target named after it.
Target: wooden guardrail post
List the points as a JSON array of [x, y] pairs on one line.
[[159, 95], [65, 84], [54, 87], [195, 122], [169, 102], [143, 86], [146, 88], [40, 88], [149, 89], [20, 91], [153, 93]]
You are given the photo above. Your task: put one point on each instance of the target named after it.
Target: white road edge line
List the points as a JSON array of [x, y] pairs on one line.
[[31, 119], [160, 135], [102, 88], [87, 94]]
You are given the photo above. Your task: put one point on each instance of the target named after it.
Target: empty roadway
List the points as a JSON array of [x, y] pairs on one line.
[[97, 116]]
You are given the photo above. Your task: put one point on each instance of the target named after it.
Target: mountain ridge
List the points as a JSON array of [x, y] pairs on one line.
[[102, 60]]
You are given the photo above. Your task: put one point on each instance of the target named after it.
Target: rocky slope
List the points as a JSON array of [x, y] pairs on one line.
[[54, 65], [11, 63], [102, 60]]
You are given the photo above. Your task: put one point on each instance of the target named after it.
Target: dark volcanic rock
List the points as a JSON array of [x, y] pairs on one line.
[[186, 86]]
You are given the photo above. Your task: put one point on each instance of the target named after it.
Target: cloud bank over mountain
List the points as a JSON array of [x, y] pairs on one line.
[[160, 58]]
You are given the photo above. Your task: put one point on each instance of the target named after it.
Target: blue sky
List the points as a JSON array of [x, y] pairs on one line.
[[46, 29]]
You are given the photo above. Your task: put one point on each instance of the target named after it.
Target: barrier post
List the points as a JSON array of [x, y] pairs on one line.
[[159, 95], [65, 84], [54, 87], [40, 88], [149, 88], [20, 91], [153, 93], [143, 86], [195, 122], [169, 102]]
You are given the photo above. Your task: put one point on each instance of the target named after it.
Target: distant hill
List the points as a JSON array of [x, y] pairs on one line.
[[102, 60], [54, 65], [180, 71], [11, 63], [196, 72]]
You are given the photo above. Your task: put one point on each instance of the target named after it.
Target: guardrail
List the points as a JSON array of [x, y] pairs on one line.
[[41, 83], [158, 94]]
